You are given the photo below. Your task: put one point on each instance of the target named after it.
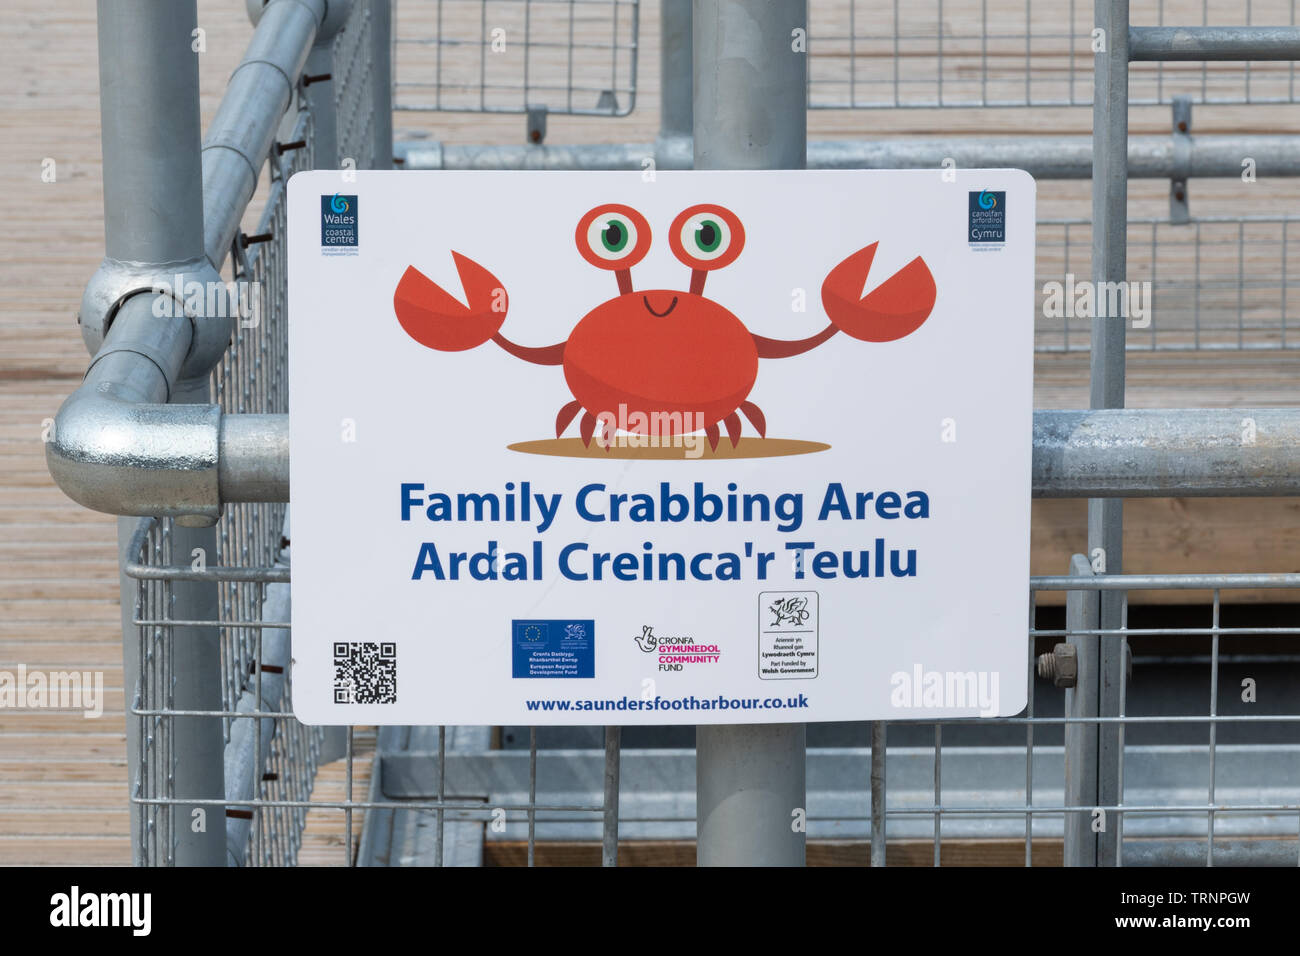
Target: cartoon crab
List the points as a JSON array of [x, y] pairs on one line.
[[672, 356]]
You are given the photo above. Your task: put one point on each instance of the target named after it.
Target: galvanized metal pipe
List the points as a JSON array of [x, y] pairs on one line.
[[150, 131], [241, 133], [1054, 157], [1099, 453], [676, 95], [1149, 453], [249, 750], [381, 82], [1106, 374], [749, 113], [1213, 43], [114, 448], [153, 219]]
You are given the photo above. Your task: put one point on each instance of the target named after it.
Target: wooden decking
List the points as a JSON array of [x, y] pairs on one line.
[[63, 777]]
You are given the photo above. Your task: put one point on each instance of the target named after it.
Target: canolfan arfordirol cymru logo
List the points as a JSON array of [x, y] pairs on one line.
[[629, 361]]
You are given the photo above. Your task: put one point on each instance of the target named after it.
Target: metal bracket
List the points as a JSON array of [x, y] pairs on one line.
[[114, 282], [1179, 211], [536, 124], [239, 268]]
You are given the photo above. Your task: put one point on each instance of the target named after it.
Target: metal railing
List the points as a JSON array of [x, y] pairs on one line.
[[511, 56], [882, 54], [1215, 283], [1223, 787], [211, 735]]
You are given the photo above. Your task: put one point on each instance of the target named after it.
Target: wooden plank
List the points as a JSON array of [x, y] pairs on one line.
[[62, 850]]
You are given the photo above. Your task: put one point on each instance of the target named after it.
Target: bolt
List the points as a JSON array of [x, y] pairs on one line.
[[1061, 666]]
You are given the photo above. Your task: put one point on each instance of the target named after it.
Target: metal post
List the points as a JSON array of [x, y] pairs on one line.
[[130, 682], [1109, 264], [153, 214], [613, 757], [198, 742], [676, 105], [381, 81], [879, 838], [319, 76], [1081, 614], [749, 114]]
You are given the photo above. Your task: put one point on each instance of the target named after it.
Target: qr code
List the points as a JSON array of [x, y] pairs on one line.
[[365, 672]]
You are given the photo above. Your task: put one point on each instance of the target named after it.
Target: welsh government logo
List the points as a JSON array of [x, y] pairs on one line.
[[658, 373], [791, 610], [646, 640]]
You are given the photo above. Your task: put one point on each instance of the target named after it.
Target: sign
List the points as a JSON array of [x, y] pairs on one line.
[[685, 448]]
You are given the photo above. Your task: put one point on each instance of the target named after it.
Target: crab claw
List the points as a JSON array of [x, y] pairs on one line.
[[436, 319], [893, 309]]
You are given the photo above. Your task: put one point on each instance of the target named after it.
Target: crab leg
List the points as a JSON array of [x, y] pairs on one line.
[[712, 434], [587, 428], [756, 417], [732, 422], [566, 416]]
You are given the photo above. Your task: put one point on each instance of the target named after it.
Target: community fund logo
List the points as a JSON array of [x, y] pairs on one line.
[[676, 653], [75, 909]]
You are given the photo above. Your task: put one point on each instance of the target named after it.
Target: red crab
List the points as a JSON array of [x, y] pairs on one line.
[[673, 357]]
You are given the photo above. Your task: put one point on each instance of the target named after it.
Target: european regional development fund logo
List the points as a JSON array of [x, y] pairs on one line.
[[987, 219], [338, 224]]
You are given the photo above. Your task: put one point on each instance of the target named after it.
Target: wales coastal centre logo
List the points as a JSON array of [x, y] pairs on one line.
[[338, 225]]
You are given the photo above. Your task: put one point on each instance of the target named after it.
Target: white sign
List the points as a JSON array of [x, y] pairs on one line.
[[720, 447]]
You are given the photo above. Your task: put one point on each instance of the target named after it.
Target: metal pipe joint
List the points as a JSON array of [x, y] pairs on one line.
[[193, 290]]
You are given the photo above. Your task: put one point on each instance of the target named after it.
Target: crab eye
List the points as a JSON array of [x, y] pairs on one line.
[[613, 236], [707, 237]]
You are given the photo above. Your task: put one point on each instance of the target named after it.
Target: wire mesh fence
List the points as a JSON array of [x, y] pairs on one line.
[[508, 56], [273, 757], [1218, 282], [875, 54], [1207, 762], [353, 81]]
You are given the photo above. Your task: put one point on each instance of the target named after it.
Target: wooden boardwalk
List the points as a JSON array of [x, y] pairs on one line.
[[63, 777]]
